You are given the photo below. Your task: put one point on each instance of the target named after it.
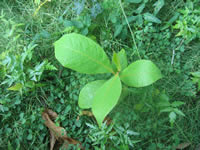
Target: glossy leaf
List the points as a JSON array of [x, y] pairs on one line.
[[140, 73], [106, 98], [81, 54], [120, 60], [151, 18], [86, 95]]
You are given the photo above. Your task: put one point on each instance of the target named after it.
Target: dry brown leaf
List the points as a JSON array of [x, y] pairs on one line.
[[87, 113], [53, 115], [109, 121], [183, 145], [90, 114], [52, 140], [57, 133]]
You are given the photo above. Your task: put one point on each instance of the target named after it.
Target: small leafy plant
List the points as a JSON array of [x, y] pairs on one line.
[[83, 55], [188, 23], [112, 136], [172, 109]]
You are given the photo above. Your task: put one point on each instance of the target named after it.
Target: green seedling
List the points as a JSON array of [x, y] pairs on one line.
[[81, 54]]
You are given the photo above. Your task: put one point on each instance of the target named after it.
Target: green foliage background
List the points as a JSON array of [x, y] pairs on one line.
[[167, 34]]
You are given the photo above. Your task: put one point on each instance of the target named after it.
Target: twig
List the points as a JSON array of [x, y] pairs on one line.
[[36, 11], [133, 38], [173, 52]]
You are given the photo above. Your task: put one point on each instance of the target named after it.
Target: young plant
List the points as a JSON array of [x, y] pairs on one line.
[[83, 55], [188, 23], [171, 108], [112, 136]]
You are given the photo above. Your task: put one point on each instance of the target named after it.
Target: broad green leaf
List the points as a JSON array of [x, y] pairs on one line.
[[81, 54], [106, 98], [16, 87], [134, 1], [140, 73], [86, 95], [151, 18]]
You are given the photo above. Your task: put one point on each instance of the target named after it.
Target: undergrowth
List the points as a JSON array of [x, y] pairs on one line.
[[32, 79]]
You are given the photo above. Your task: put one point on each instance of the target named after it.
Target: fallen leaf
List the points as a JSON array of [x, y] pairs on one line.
[[87, 113], [53, 115], [52, 140], [90, 114], [183, 145], [57, 133], [108, 120]]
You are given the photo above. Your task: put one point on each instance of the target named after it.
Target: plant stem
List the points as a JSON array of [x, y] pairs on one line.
[[36, 11], [173, 52], [132, 35]]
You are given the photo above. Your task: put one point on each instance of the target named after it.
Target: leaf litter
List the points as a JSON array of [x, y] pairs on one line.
[[57, 133]]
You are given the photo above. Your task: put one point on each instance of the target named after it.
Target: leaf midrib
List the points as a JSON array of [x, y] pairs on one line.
[[109, 88], [96, 61]]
